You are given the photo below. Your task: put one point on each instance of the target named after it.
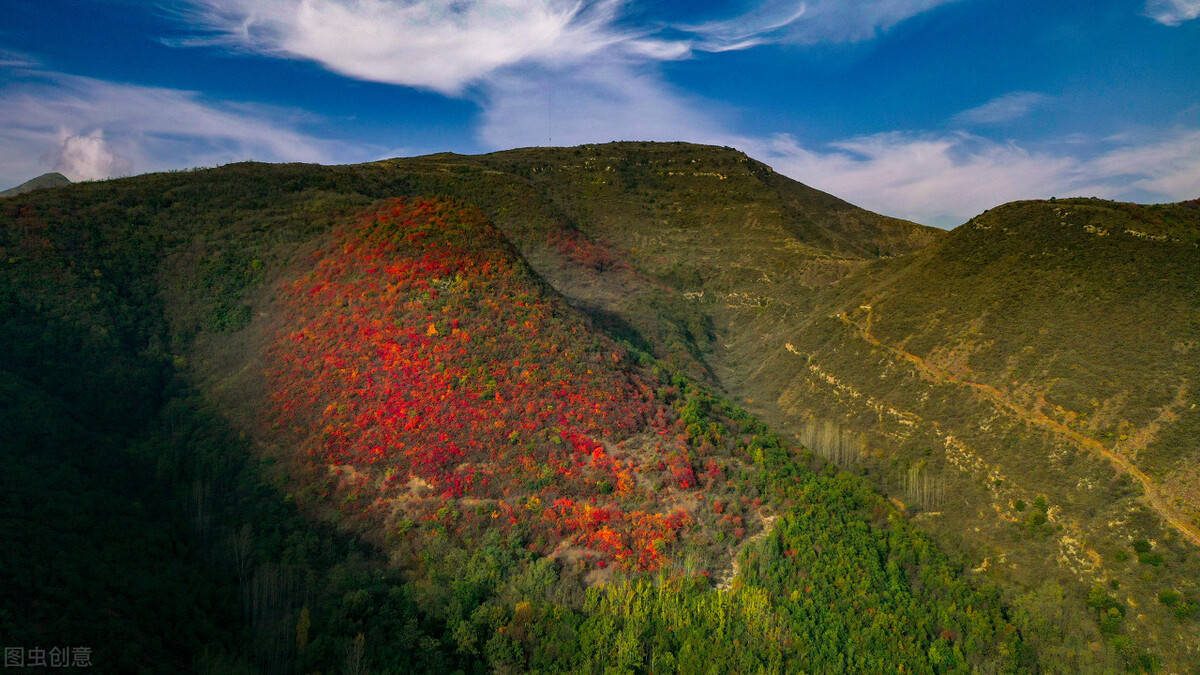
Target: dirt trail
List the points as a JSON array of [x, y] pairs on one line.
[[726, 582], [1157, 498]]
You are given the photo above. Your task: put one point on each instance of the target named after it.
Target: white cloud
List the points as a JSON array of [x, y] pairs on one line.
[[448, 46], [434, 44], [944, 179], [90, 128], [514, 56], [1002, 109], [766, 23], [1168, 166], [1172, 12], [933, 179], [89, 158], [815, 21]]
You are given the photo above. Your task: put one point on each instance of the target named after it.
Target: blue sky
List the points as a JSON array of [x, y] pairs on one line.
[[932, 110]]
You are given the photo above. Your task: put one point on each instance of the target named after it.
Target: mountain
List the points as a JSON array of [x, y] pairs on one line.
[[579, 408], [680, 219], [1026, 387], [46, 180]]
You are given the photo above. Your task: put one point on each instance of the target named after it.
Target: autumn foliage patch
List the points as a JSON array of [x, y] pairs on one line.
[[425, 367], [577, 248]]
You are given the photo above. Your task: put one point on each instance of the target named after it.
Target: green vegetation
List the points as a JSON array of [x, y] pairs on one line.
[[1080, 310], [715, 274]]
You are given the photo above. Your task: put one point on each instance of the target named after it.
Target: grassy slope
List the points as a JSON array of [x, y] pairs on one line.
[[1004, 364]]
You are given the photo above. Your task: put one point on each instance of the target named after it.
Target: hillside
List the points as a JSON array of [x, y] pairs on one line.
[[701, 267], [657, 239], [470, 403], [46, 180], [1026, 388], [374, 436], [439, 373], [713, 280]]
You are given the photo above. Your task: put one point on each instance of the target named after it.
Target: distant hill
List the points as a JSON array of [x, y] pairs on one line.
[[569, 409], [46, 180]]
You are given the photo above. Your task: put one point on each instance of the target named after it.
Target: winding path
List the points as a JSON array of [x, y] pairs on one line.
[[1157, 498]]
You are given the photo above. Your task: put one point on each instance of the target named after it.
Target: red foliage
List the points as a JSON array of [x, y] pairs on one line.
[[577, 248], [421, 354]]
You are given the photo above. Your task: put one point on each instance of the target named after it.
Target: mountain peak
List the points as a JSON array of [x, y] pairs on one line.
[[46, 180]]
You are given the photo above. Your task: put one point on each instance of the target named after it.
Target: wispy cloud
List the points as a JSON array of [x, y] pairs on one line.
[[1002, 109], [11, 59], [449, 46], [433, 44], [1172, 12], [770, 22], [815, 21], [933, 179], [944, 179], [1168, 165], [91, 129]]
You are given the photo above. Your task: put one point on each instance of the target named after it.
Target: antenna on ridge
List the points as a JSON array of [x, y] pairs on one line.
[[549, 113]]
